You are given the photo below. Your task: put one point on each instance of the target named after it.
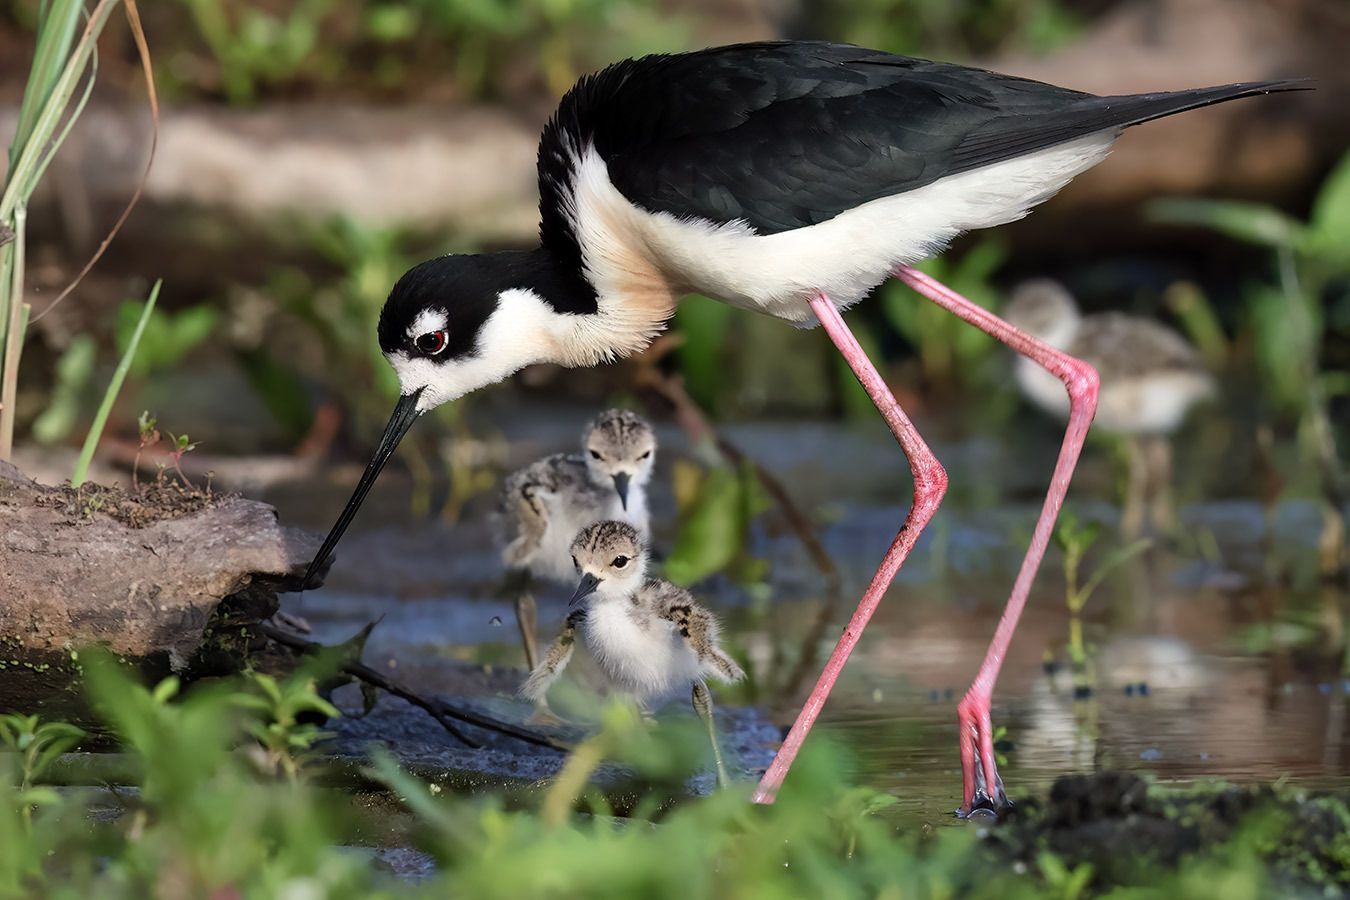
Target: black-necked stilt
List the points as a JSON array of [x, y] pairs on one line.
[[545, 504], [786, 178], [1150, 380], [650, 637]]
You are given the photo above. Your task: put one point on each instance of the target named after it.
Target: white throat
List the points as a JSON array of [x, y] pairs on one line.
[[521, 331]]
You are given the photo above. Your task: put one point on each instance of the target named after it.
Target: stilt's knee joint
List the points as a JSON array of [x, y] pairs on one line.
[[1083, 383], [930, 480]]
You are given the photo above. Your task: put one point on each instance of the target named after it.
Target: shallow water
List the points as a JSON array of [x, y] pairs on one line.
[[1199, 666]]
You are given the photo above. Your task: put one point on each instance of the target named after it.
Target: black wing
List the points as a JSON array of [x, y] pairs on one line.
[[789, 134]]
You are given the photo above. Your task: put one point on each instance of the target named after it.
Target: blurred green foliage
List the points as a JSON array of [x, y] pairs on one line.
[[168, 337], [248, 49], [1312, 275], [74, 370], [208, 821], [716, 509], [949, 27], [256, 48], [703, 324], [1288, 323], [952, 353]]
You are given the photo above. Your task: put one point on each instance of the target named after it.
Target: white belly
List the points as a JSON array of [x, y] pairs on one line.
[[648, 659], [845, 256]]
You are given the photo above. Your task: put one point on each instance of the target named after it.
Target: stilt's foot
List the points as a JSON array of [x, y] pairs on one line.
[[545, 716], [983, 792]]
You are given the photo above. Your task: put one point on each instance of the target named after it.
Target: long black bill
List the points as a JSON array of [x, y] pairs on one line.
[[587, 587], [405, 413], [621, 485]]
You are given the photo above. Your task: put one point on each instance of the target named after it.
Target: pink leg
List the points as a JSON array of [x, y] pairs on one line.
[[930, 483], [982, 788]]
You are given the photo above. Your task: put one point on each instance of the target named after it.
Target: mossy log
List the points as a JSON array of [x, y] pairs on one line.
[[150, 575]]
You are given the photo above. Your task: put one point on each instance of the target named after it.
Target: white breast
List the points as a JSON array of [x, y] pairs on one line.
[[567, 516], [845, 257], [643, 657]]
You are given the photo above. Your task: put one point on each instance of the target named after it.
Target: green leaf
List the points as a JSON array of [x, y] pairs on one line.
[[1253, 223], [1329, 226], [73, 371], [710, 537], [166, 690], [110, 395], [703, 325]]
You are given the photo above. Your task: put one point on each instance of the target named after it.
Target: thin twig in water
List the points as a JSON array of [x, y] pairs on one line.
[[439, 710], [696, 425]]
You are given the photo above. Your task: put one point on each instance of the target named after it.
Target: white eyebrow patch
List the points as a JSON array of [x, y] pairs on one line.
[[427, 320]]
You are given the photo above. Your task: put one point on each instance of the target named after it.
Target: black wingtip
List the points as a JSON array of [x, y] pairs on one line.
[[1147, 107]]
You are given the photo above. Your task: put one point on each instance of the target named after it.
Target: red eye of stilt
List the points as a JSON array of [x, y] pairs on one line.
[[431, 343]]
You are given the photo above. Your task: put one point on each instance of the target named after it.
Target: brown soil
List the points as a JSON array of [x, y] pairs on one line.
[[163, 498]]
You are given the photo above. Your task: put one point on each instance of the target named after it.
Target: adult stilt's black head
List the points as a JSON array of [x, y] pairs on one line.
[[453, 325]]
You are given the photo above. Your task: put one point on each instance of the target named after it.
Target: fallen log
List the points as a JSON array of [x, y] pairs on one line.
[[150, 575]]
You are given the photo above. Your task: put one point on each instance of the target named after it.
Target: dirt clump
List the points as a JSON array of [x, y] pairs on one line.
[[155, 501], [1128, 828]]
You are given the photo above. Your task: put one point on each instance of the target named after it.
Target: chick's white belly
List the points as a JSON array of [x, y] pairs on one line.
[[553, 559], [644, 657]]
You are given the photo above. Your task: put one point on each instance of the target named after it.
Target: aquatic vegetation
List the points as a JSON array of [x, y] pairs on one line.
[[489, 45], [1075, 539], [1288, 322], [717, 507], [951, 353]]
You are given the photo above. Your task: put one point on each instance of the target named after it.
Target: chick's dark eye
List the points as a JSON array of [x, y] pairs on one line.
[[431, 343], [619, 562], [595, 454], [645, 455], [575, 564]]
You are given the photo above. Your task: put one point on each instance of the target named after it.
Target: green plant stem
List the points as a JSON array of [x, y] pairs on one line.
[[110, 395], [571, 781], [1077, 649], [15, 324], [1074, 597]]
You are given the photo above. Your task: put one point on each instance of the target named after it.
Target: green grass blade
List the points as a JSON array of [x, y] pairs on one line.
[[20, 181], [110, 395], [14, 313], [56, 31], [70, 120]]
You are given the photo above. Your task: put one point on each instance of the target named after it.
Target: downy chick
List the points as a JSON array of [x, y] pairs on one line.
[[1150, 379], [650, 637], [545, 504]]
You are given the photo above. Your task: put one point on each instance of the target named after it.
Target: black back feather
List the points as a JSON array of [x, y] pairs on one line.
[[784, 135]]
